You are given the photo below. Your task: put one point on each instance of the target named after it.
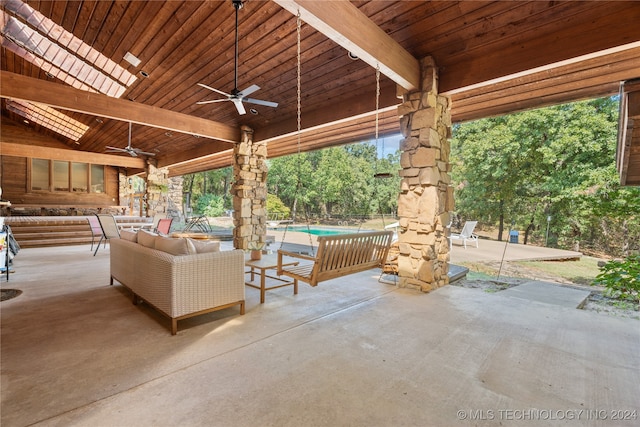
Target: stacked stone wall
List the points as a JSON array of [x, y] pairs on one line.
[[174, 198], [426, 195], [157, 194], [249, 192]]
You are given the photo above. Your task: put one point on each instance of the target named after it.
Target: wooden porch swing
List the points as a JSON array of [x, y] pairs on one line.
[[337, 255]]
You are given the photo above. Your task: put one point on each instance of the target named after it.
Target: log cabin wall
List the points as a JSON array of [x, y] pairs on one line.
[[15, 176], [14, 181]]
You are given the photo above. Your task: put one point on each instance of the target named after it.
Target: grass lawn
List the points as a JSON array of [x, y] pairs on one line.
[[581, 272]]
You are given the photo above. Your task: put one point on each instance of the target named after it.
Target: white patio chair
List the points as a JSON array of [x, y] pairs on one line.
[[465, 234], [109, 227]]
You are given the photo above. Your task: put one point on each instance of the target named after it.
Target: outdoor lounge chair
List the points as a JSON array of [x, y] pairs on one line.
[[109, 229], [465, 234], [156, 219], [163, 227], [96, 231]]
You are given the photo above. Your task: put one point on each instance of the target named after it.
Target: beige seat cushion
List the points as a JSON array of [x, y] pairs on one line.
[[180, 246], [206, 246], [129, 235], [147, 239]]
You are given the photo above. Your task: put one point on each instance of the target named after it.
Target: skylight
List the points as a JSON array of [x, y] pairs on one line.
[[47, 45], [49, 118]]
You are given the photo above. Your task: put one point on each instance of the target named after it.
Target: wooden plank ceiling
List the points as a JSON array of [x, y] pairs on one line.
[[493, 57]]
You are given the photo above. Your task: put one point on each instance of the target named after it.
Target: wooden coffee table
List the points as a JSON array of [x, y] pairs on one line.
[[268, 262]]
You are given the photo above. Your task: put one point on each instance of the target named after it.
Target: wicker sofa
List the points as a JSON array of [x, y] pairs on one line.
[[178, 285]]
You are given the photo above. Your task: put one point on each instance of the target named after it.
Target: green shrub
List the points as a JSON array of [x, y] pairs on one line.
[[210, 205], [276, 206], [621, 278]]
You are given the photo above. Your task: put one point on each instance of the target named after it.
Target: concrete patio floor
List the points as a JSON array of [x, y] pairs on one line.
[[350, 352]]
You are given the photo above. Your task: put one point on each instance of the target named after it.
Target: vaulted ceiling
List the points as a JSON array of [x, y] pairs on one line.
[[493, 58]]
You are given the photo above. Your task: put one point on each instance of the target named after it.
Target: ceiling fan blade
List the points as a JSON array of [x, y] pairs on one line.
[[212, 101], [116, 149], [249, 90], [139, 151], [261, 102], [239, 106], [215, 90]]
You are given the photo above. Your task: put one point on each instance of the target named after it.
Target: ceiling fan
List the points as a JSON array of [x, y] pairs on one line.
[[237, 96], [133, 152]]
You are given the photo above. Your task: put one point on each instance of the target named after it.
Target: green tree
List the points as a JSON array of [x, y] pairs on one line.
[[290, 179], [556, 162], [336, 181], [210, 205], [489, 169], [216, 182]]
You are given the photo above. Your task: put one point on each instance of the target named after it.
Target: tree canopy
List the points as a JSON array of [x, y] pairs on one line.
[[554, 165], [336, 181]]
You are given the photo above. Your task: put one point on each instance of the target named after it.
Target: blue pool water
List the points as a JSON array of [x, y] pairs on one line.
[[322, 231]]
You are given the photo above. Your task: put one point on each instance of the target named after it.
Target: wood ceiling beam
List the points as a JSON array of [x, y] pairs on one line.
[[337, 134], [628, 149], [68, 98], [49, 153], [208, 148], [346, 25], [330, 115], [594, 76]]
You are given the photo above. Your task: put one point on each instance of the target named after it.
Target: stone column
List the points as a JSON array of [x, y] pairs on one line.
[[174, 205], [249, 192], [426, 195], [125, 190], [157, 189]]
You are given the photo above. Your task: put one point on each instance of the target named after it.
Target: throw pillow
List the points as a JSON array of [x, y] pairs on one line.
[[173, 246], [129, 235], [206, 246], [147, 239]]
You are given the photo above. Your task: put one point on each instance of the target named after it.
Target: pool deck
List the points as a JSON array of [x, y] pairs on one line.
[[487, 250]]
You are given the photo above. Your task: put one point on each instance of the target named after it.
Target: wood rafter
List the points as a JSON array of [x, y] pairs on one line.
[[591, 76], [67, 98], [346, 25], [39, 152]]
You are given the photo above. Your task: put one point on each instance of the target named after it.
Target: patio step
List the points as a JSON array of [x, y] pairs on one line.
[[35, 232]]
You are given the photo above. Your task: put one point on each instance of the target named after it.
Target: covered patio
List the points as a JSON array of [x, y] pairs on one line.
[[351, 351], [329, 73]]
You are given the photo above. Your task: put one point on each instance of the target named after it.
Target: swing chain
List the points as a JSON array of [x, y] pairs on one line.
[[377, 100], [375, 188], [299, 119], [299, 26]]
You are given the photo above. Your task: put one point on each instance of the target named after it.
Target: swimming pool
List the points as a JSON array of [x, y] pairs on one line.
[[322, 231]]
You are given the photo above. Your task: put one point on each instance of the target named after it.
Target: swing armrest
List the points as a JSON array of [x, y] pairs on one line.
[[282, 253], [293, 255]]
